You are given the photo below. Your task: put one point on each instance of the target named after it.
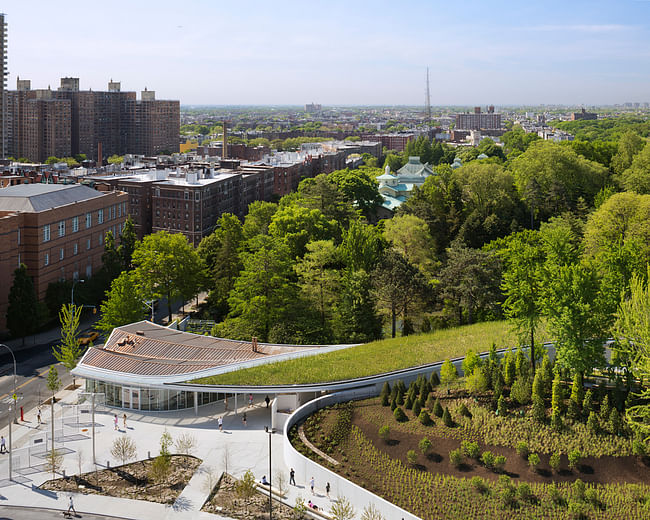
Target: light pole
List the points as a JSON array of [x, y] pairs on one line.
[[14, 396], [269, 430], [74, 282]]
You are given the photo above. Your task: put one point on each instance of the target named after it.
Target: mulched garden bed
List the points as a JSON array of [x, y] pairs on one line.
[[131, 481], [224, 502]]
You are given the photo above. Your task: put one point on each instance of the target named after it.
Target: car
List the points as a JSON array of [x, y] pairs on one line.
[[86, 338]]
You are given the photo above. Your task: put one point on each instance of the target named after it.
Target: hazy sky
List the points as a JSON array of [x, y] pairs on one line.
[[339, 52]]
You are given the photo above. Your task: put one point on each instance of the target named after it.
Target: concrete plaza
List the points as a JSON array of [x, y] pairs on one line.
[[235, 450]]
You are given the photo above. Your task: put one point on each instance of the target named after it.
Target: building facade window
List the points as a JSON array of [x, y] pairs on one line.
[[89, 271], [47, 258], [18, 236], [62, 228], [75, 224], [46, 233], [89, 220], [101, 239], [88, 243], [75, 248], [61, 253], [100, 216]]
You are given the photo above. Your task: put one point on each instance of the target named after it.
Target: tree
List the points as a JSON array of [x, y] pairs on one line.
[[112, 262], [361, 247], [355, 318], [115, 159], [70, 350], [637, 177], [128, 240], [166, 265], [561, 174], [523, 284], [342, 509], [23, 312], [185, 444], [54, 461], [576, 318], [409, 236], [123, 304], [123, 449], [53, 383], [245, 488], [633, 333], [359, 188], [296, 226], [398, 284], [322, 193], [258, 218], [220, 254], [319, 278], [371, 512], [469, 282], [263, 291], [629, 145], [448, 373]]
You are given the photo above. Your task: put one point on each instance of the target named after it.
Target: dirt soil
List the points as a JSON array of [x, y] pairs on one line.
[[225, 502], [131, 481], [603, 470]]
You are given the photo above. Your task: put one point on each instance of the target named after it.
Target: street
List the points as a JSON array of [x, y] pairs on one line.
[[32, 366]]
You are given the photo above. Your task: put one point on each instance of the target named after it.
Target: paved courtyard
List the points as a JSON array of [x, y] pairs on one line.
[[237, 449]]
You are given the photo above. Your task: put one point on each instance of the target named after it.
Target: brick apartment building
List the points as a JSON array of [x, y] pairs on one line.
[[56, 230], [396, 142], [66, 122], [478, 120]]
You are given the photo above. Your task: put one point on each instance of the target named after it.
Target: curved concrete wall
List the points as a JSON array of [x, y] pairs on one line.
[[307, 468]]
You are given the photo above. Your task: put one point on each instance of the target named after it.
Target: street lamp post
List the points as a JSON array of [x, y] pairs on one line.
[[14, 396], [269, 430], [74, 282]]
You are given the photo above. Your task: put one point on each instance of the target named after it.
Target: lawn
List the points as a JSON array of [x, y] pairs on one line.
[[373, 358]]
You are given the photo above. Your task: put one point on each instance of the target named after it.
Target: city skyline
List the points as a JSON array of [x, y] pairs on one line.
[[335, 53]]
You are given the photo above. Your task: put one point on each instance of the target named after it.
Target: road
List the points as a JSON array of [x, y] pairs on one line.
[[31, 378]]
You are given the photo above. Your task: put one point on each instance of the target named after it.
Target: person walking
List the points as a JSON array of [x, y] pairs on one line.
[[267, 401], [243, 419], [312, 483], [3, 445], [38, 416], [71, 508], [327, 490], [116, 421], [292, 477], [250, 399], [124, 419], [220, 423]]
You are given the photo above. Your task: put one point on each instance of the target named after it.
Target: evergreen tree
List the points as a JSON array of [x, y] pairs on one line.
[[577, 389], [23, 312], [587, 403], [557, 397], [509, 367], [437, 408], [539, 385], [538, 410], [592, 422]]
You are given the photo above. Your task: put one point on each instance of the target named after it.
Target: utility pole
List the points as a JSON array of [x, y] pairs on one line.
[[427, 102]]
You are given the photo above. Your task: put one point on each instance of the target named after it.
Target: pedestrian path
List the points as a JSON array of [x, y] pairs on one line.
[[235, 450]]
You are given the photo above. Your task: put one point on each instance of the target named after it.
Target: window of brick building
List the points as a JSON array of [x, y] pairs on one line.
[[75, 248], [89, 220], [47, 258], [100, 216], [61, 253], [62, 228], [46, 233]]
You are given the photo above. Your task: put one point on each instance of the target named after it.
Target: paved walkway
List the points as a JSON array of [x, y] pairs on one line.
[[235, 450]]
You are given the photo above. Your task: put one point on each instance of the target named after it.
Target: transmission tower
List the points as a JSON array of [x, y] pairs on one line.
[[427, 101]]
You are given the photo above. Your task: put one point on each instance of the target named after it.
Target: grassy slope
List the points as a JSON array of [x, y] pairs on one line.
[[374, 358]]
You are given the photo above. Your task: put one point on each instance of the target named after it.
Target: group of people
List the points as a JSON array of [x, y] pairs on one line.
[[116, 422]]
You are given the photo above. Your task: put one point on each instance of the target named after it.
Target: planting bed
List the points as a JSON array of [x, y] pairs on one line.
[[432, 487], [132, 481]]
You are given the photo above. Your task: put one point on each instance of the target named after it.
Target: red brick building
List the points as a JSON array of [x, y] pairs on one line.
[[56, 230]]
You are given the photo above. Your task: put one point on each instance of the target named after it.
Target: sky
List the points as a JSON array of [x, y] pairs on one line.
[[353, 52]]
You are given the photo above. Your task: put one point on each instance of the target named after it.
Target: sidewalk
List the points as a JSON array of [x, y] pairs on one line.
[[235, 450]]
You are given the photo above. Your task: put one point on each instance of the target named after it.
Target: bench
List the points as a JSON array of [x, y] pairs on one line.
[[274, 491], [319, 513]]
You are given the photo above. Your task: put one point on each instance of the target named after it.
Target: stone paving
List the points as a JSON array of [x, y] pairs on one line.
[[235, 450]]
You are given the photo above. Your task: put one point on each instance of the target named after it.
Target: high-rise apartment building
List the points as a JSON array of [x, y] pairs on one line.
[[3, 85], [108, 122], [158, 124]]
